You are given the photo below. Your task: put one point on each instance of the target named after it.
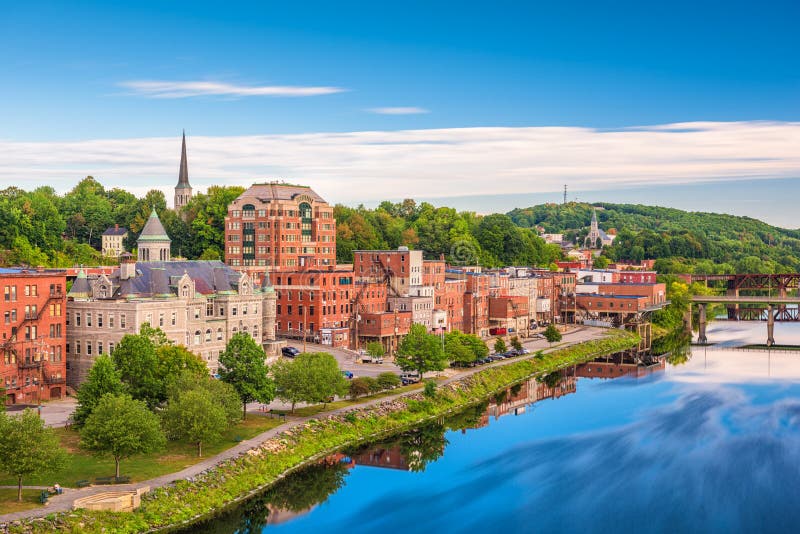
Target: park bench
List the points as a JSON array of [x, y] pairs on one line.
[[104, 480], [122, 480], [82, 484]]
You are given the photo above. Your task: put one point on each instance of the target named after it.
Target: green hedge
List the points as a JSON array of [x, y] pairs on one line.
[[234, 480]]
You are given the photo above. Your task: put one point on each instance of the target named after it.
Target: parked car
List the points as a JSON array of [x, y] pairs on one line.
[[524, 351], [347, 374], [409, 378], [290, 352], [369, 359]]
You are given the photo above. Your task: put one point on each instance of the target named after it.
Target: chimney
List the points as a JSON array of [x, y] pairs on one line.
[[127, 266], [116, 227]]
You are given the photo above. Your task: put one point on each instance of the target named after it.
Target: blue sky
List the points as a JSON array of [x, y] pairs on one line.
[[100, 71]]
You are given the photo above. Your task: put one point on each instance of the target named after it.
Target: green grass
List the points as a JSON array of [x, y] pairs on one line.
[[306, 411], [9, 504], [81, 465]]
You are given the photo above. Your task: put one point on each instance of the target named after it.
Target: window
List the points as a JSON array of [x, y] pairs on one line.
[[99, 319], [88, 348], [88, 319], [122, 320], [173, 318], [233, 311], [111, 320], [197, 337], [219, 334], [208, 335], [244, 309], [99, 347]]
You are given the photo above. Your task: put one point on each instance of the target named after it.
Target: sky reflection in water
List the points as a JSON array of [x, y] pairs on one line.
[[709, 446]]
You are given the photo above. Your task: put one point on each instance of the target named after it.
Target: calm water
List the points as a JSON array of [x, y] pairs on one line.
[[712, 445]]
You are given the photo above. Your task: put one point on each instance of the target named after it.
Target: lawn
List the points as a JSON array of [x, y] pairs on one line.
[[306, 411], [83, 466], [9, 504]]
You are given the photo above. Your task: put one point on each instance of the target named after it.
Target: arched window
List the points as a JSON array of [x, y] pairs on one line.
[[208, 335], [219, 334], [248, 210], [255, 332], [305, 221], [235, 330], [197, 337]]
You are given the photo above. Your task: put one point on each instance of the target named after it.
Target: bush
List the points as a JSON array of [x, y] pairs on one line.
[[374, 385], [359, 386], [516, 343], [388, 380], [499, 345], [430, 389]]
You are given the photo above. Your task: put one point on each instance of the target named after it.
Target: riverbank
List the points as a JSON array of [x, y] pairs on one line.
[[235, 479]]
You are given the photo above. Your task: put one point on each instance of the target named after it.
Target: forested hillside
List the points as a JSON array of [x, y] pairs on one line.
[[41, 227], [682, 241]]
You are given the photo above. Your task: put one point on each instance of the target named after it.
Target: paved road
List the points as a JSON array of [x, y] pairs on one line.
[[55, 413], [64, 502]]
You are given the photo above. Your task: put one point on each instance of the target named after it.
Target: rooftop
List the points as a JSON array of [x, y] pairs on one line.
[[269, 192]]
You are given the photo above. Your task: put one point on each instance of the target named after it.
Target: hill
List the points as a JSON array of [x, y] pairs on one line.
[[682, 241]]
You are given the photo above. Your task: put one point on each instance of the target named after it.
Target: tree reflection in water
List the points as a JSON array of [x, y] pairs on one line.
[[675, 346]]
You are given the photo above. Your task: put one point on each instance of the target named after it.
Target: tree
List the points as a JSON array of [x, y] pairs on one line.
[[430, 389], [388, 380], [174, 360], [223, 394], [27, 447], [516, 343], [551, 334], [137, 362], [103, 378], [311, 377], [196, 417], [359, 386], [420, 351], [375, 349], [122, 426], [242, 366], [500, 345], [600, 262]]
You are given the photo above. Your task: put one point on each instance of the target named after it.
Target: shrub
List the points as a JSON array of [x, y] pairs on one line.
[[430, 389], [388, 380], [499, 345], [359, 386]]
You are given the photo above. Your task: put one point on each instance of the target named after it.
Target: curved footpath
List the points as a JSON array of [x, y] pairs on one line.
[[65, 501]]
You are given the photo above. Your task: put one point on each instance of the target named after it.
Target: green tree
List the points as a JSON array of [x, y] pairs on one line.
[[551, 334], [516, 343], [195, 416], [375, 349], [311, 377], [242, 366], [499, 345], [359, 386], [122, 426], [388, 380], [430, 389], [600, 262], [137, 362], [420, 351], [174, 360], [223, 394], [103, 378], [28, 448]]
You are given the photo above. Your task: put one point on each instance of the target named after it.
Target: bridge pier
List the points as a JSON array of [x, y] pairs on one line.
[[733, 309], [701, 319], [770, 325], [687, 320]]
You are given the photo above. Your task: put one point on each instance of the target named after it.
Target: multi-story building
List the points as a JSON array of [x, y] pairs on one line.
[[452, 302], [316, 304], [510, 314], [199, 304], [112, 241], [33, 368], [402, 268], [280, 228], [476, 305]]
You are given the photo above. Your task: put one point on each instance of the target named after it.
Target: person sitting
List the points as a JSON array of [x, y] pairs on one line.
[[57, 489]]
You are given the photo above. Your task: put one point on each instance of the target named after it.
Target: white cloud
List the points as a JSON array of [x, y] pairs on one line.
[[168, 89], [409, 110], [372, 165]]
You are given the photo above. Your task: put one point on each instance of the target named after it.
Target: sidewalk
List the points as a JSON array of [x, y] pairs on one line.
[[65, 502]]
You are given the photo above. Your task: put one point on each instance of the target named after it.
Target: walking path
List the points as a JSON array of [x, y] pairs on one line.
[[65, 501]]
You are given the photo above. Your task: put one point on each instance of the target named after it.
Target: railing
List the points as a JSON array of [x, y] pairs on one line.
[[30, 365], [54, 380]]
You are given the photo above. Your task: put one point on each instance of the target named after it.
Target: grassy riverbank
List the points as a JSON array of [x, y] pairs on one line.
[[237, 479]]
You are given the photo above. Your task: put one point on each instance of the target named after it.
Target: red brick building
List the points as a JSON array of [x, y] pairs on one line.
[[279, 227], [33, 366], [655, 293], [637, 277], [476, 305], [316, 303], [452, 302]]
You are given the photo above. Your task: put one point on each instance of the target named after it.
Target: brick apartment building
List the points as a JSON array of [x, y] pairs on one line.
[[279, 227], [33, 365]]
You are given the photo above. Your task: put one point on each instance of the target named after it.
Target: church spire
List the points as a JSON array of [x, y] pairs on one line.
[[183, 174], [183, 191]]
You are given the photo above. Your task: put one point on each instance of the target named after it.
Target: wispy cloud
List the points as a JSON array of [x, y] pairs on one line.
[[170, 89], [407, 110], [365, 166]]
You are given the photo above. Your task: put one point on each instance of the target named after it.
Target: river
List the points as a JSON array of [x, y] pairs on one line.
[[709, 445]]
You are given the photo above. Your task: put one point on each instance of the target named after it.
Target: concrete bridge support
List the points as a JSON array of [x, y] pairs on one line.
[[701, 320], [770, 325], [733, 309], [687, 320]]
